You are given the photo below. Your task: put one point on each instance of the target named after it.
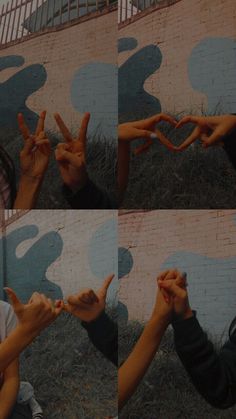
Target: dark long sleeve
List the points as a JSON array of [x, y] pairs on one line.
[[90, 197], [229, 141], [212, 373], [103, 333]]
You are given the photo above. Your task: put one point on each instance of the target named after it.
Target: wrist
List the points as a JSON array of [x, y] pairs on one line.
[[76, 186], [27, 332], [185, 315]]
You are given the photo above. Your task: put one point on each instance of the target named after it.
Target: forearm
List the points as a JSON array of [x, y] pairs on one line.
[[14, 344], [8, 396], [28, 192], [123, 168], [213, 374], [103, 333], [136, 365]]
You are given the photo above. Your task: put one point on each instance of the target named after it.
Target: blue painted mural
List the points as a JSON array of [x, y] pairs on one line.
[[209, 281], [15, 91], [134, 101], [94, 90], [102, 250], [27, 274], [212, 71]]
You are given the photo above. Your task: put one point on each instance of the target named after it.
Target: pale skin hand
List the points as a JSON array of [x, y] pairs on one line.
[[210, 130], [9, 389], [37, 314], [173, 284], [71, 155], [34, 157], [146, 128], [33, 317], [133, 369], [88, 305], [131, 131]]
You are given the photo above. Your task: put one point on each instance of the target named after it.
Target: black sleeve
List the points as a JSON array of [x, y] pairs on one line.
[[229, 141], [212, 373], [103, 333], [90, 197]]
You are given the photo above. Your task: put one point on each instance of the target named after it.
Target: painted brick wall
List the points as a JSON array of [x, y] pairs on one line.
[[69, 71], [202, 243], [60, 252], [184, 55]]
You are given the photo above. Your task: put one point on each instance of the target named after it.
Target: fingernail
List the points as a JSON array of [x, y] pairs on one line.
[[153, 136]]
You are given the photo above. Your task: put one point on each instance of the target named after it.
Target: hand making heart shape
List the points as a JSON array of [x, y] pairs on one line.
[[210, 130]]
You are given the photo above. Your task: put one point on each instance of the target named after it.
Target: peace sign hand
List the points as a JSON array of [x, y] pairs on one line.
[[71, 155], [88, 305], [34, 157]]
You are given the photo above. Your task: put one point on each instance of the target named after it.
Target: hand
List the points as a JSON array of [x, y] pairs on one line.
[[162, 310], [210, 130], [37, 314], [146, 128], [34, 157], [173, 284], [71, 155], [87, 305]]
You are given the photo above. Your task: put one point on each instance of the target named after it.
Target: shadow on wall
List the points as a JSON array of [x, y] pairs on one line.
[[27, 273], [15, 91], [134, 101], [212, 71]]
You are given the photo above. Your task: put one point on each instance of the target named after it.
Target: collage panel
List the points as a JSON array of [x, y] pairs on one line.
[[58, 104], [177, 103], [177, 320], [62, 285]]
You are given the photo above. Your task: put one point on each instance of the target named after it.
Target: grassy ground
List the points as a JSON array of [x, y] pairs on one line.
[[165, 392], [195, 178], [72, 380], [101, 162]]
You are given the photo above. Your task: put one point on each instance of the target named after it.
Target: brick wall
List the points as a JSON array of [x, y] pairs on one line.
[[69, 71], [202, 243], [192, 63], [60, 252]]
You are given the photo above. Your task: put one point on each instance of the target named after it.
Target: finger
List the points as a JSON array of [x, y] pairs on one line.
[[172, 274], [142, 148], [28, 146], [181, 280], [173, 289], [164, 140], [191, 139], [16, 303], [22, 126], [58, 309], [75, 160], [167, 118], [162, 275], [42, 142], [73, 300], [164, 292], [83, 129], [106, 283], [189, 119], [63, 128], [213, 139], [40, 125], [93, 297]]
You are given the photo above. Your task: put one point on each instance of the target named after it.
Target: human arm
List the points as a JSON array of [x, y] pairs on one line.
[[9, 389], [213, 373], [134, 368], [34, 159]]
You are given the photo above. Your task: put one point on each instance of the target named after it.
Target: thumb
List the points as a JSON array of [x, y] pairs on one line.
[[15, 302], [104, 288]]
